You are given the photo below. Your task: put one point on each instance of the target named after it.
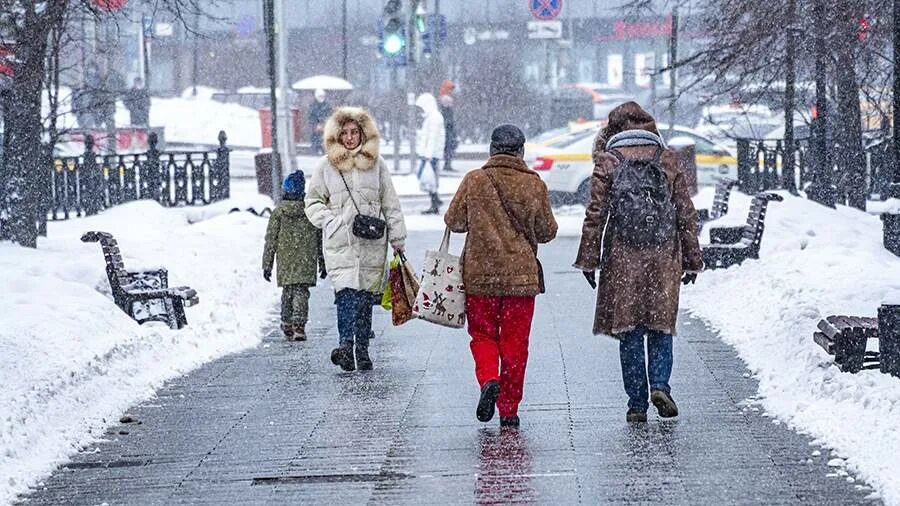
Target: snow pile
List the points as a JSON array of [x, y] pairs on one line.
[[814, 262], [71, 362], [197, 120]]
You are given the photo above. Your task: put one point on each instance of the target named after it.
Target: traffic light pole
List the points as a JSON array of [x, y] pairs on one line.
[[395, 120], [411, 62]]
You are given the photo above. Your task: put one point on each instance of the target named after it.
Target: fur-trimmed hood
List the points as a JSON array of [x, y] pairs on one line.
[[363, 157]]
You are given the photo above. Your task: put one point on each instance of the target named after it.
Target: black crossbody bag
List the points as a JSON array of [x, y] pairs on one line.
[[364, 226]]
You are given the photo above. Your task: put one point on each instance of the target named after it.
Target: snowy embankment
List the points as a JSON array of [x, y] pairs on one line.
[[814, 262], [71, 362]]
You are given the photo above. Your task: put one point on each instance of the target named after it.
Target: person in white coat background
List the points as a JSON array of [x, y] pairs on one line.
[[353, 179], [430, 140]]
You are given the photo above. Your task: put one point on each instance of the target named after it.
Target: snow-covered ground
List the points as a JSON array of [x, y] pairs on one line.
[[71, 362], [814, 262]]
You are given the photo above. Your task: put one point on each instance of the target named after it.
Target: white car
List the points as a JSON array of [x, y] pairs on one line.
[[567, 170]]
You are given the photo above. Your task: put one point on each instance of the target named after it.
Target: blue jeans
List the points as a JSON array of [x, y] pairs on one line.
[[354, 316], [635, 369]]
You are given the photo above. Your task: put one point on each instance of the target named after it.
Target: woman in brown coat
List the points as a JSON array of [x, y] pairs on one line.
[[638, 286]]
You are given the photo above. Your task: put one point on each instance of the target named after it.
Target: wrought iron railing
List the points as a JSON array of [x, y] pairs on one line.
[[764, 164], [83, 185]]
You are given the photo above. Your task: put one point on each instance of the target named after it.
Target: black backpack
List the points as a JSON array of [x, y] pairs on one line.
[[642, 212]]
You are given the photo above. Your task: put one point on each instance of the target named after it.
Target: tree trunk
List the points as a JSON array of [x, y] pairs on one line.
[[851, 158], [24, 159]]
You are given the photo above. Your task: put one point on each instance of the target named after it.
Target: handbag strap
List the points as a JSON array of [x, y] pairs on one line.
[[350, 193], [512, 218], [445, 242]]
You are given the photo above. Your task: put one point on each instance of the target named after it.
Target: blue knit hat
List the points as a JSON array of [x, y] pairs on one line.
[[295, 183]]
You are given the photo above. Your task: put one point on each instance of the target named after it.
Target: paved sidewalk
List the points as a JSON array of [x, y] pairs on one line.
[[280, 424]]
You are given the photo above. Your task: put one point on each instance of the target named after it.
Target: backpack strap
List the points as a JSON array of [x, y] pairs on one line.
[[658, 156], [619, 156]]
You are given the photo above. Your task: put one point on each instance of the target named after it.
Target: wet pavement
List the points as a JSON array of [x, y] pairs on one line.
[[280, 424]]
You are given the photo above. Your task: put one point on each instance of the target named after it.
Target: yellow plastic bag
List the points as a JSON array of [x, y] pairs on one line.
[[387, 296]]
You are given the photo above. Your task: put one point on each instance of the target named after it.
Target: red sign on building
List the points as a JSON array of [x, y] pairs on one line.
[[109, 5], [7, 57]]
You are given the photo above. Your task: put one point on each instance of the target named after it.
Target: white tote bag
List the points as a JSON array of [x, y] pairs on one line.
[[442, 295]]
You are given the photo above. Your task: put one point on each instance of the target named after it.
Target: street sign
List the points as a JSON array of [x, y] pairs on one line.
[[545, 10], [545, 29]]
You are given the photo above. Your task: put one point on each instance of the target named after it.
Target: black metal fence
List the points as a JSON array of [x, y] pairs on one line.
[[765, 165], [83, 185]]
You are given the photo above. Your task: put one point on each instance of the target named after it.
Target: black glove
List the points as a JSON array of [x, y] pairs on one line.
[[590, 277], [267, 275], [689, 277], [322, 272]]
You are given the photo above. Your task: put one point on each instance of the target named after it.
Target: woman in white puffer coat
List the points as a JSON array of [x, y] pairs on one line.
[[430, 141], [353, 168]]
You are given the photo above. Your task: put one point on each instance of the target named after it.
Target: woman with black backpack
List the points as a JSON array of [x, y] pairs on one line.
[[640, 232]]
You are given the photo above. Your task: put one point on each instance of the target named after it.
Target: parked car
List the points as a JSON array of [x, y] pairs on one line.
[[725, 123], [567, 170]]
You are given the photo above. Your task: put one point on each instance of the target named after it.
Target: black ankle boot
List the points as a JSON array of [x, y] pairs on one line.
[[362, 359], [343, 356], [510, 421], [489, 393]]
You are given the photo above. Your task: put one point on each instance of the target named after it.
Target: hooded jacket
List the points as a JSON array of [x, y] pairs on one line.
[[295, 242], [431, 138], [353, 262], [636, 286]]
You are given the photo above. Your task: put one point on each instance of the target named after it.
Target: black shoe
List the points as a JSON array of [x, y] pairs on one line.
[[510, 421], [362, 359], [634, 415], [488, 399], [664, 403], [343, 356]]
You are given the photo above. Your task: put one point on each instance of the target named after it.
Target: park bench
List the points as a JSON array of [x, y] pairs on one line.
[[846, 337], [732, 245], [720, 203], [143, 295], [263, 213]]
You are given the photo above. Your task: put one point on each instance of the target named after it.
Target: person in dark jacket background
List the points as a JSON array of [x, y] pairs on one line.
[[297, 244], [319, 112], [137, 101], [445, 103], [505, 210]]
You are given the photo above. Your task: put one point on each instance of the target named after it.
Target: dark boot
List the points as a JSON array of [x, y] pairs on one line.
[[343, 356], [435, 205], [362, 359], [634, 415], [664, 403], [489, 393], [510, 421], [288, 330], [299, 332]]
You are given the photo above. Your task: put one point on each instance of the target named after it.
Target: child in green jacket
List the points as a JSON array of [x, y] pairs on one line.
[[298, 245]]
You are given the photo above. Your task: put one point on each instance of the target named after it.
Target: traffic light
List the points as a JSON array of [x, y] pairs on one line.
[[393, 37], [420, 17]]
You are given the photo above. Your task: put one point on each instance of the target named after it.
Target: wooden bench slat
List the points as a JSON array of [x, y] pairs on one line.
[[823, 341]]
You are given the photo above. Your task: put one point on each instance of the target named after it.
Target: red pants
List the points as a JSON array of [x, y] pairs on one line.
[[500, 327]]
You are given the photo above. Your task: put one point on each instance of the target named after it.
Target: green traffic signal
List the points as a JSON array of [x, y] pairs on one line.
[[393, 44]]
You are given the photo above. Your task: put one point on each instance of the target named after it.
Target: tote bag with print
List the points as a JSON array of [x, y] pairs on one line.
[[442, 295]]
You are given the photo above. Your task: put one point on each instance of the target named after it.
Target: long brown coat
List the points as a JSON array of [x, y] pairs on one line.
[[636, 286], [497, 260]]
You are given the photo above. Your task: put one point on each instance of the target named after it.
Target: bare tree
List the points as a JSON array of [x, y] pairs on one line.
[[38, 28]]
